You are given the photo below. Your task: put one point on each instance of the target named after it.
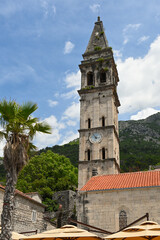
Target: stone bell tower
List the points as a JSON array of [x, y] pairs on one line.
[[99, 140]]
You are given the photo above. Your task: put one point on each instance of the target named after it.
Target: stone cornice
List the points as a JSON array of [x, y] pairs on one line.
[[100, 160], [96, 89]]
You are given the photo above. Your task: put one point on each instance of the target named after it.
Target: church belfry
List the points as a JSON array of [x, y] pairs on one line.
[[99, 140]]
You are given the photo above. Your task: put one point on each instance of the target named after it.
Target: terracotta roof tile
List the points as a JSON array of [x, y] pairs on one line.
[[123, 180], [24, 195]]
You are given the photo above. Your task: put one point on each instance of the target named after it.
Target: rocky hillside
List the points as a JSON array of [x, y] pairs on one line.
[[140, 143]]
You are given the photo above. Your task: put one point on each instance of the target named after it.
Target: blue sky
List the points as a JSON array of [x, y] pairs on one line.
[[41, 46]]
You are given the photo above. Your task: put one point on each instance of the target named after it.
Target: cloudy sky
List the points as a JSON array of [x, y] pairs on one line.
[[41, 46]]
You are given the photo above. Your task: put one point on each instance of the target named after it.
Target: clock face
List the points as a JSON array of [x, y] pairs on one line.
[[95, 137]]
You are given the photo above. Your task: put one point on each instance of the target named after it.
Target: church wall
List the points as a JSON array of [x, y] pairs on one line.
[[102, 208]]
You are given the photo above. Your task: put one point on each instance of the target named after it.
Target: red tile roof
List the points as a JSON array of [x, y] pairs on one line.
[[23, 195], [123, 180]]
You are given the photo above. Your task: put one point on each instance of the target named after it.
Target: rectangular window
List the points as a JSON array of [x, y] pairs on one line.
[[34, 216]]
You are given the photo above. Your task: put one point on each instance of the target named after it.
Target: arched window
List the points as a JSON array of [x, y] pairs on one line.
[[89, 78], [102, 76], [122, 219], [89, 123], [88, 154], [103, 153], [103, 121]]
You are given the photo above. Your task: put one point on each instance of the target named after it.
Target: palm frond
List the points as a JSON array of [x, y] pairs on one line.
[[26, 110], [31, 121], [8, 110], [42, 127]]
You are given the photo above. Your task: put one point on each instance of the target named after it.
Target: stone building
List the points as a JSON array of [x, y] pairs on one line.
[[107, 198], [29, 214], [67, 206], [99, 142]]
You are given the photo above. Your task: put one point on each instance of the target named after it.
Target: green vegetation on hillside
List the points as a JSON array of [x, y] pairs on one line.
[[137, 155], [69, 150], [47, 173]]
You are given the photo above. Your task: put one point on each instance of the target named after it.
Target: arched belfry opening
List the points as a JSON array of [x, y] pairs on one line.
[[102, 76], [103, 121], [89, 123], [103, 153], [88, 155], [89, 78]]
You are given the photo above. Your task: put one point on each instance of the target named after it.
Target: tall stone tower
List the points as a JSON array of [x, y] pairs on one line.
[[99, 141]]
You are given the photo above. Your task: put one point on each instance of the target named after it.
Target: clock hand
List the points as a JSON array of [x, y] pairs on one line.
[[95, 136]]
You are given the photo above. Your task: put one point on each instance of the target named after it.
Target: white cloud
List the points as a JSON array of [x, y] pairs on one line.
[[71, 123], [52, 103], [68, 47], [117, 53], [143, 39], [95, 8], [129, 30], [70, 136], [71, 94], [139, 80], [72, 112], [48, 8], [73, 79], [144, 113], [43, 140]]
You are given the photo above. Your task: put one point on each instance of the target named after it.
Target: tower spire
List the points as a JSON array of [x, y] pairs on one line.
[[98, 38]]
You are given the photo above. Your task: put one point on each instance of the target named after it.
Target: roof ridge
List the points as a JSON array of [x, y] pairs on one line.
[[125, 173]]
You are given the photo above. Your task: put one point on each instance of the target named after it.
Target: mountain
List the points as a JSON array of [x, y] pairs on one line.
[[139, 143]]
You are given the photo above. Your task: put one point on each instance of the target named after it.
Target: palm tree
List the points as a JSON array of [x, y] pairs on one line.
[[18, 129]]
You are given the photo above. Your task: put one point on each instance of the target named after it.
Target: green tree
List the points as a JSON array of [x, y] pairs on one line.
[[18, 128], [47, 173]]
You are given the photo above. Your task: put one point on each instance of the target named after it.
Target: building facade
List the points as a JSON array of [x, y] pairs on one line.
[[111, 202], [28, 214]]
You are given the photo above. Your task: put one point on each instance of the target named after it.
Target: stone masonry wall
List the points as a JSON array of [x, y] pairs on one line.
[[67, 202], [23, 214], [101, 209]]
